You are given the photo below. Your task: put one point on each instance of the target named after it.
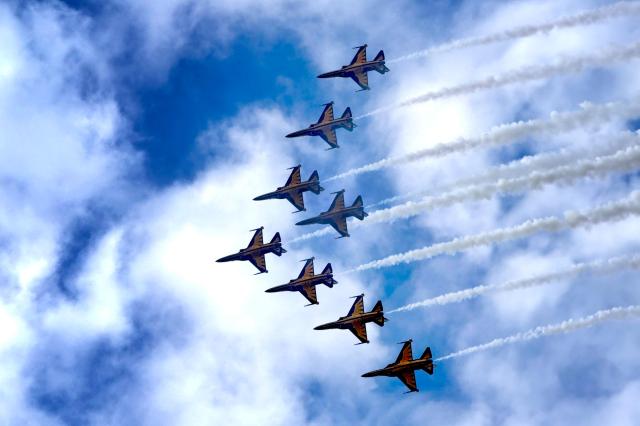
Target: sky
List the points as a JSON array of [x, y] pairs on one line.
[[135, 134]]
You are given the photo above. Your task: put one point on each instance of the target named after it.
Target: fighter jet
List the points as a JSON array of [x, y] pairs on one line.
[[404, 367], [337, 214], [359, 67], [357, 319], [256, 250], [307, 281], [327, 125], [294, 188]]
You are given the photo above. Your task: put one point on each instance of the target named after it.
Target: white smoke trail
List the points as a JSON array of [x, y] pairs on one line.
[[529, 73], [616, 10], [607, 266], [623, 160], [618, 313], [588, 114], [524, 165], [616, 210]]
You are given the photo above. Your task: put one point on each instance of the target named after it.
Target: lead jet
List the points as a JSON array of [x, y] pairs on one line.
[[357, 319], [294, 188], [327, 125], [337, 214], [256, 250], [359, 67], [307, 281], [405, 366]]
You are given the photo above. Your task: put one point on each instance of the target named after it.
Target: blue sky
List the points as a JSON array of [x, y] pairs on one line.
[[135, 135]]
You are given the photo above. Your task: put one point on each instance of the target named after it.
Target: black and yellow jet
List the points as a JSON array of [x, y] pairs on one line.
[[356, 320], [405, 366], [307, 281], [256, 250], [294, 188], [327, 125], [359, 67], [337, 214]]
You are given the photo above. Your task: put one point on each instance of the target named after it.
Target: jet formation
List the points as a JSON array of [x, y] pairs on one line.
[[338, 213], [356, 320], [294, 188], [307, 281], [336, 216], [326, 126], [359, 67]]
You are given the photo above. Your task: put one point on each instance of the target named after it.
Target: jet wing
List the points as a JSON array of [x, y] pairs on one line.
[[327, 114], [361, 78], [405, 354], [309, 292], [307, 270], [259, 262], [340, 225], [359, 330], [338, 202], [360, 57], [329, 136], [294, 178], [295, 198], [256, 240], [409, 379], [358, 306]]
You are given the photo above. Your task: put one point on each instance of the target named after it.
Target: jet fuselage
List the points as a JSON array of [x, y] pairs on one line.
[[242, 253], [297, 284], [317, 128], [355, 68], [282, 191], [393, 370], [327, 217], [345, 322]]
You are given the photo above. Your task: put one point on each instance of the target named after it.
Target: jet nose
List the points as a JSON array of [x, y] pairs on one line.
[[322, 327]]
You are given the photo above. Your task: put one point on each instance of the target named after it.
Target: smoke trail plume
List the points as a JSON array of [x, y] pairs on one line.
[[623, 160], [524, 165], [618, 313], [607, 266], [529, 73], [616, 210], [589, 17], [588, 114]]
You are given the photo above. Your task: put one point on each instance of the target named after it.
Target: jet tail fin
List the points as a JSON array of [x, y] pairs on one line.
[[278, 250], [426, 354], [348, 124], [381, 67], [360, 214], [327, 269], [315, 182], [378, 308], [276, 238]]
